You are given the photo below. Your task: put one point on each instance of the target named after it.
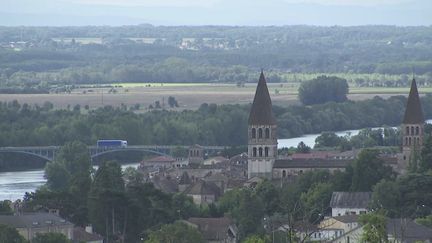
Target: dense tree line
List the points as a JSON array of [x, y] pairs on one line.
[[213, 53], [366, 138], [24, 125]]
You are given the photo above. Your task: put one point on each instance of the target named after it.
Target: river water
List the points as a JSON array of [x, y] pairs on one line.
[[13, 185]]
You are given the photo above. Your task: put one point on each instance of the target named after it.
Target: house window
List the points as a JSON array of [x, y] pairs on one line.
[[409, 141], [417, 130], [267, 133], [284, 173], [412, 130], [260, 152], [253, 133], [260, 133], [407, 131], [266, 151], [254, 152], [406, 141]]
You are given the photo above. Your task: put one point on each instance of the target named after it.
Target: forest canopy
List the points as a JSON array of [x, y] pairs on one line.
[[39, 57]]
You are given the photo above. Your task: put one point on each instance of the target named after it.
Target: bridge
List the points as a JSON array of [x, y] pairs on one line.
[[49, 152]]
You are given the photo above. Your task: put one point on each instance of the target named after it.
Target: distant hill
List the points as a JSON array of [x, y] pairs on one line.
[[147, 53]]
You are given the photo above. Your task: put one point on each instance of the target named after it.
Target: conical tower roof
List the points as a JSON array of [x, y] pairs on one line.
[[261, 112], [413, 111]]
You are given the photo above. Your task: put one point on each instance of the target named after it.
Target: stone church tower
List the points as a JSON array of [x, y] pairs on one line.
[[262, 136], [412, 130]]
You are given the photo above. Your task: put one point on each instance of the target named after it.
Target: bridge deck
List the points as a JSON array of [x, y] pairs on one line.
[[48, 152]]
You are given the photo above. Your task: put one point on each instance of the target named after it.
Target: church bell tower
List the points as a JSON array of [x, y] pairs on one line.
[[262, 133], [412, 129]]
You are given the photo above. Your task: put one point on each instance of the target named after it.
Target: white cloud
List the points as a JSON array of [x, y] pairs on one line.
[[351, 2], [149, 3]]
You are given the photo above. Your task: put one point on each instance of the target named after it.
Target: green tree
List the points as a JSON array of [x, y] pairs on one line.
[[426, 221], [249, 213], [374, 228], [107, 203], [303, 148], [69, 174], [177, 232], [316, 201], [133, 176], [404, 197], [5, 207], [9, 234], [50, 238], [369, 165], [387, 196], [323, 89], [426, 155], [70, 171], [327, 139], [255, 239], [172, 102], [269, 195]]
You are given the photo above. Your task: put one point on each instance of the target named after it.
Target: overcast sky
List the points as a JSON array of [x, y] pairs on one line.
[[216, 12]]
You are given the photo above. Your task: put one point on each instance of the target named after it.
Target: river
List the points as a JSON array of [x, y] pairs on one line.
[[13, 185]]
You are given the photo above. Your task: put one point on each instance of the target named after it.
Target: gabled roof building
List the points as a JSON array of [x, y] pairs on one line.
[[350, 203]]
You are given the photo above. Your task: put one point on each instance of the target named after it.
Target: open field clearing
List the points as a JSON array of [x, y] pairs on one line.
[[391, 90], [188, 95]]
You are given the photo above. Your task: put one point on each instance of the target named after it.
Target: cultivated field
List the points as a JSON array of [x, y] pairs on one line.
[[188, 95]]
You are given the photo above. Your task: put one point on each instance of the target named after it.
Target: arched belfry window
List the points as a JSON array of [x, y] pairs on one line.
[[267, 133], [253, 133], [417, 130], [406, 141], [284, 173], [266, 151], [254, 153], [412, 130], [260, 151], [409, 141], [407, 131], [260, 133]]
